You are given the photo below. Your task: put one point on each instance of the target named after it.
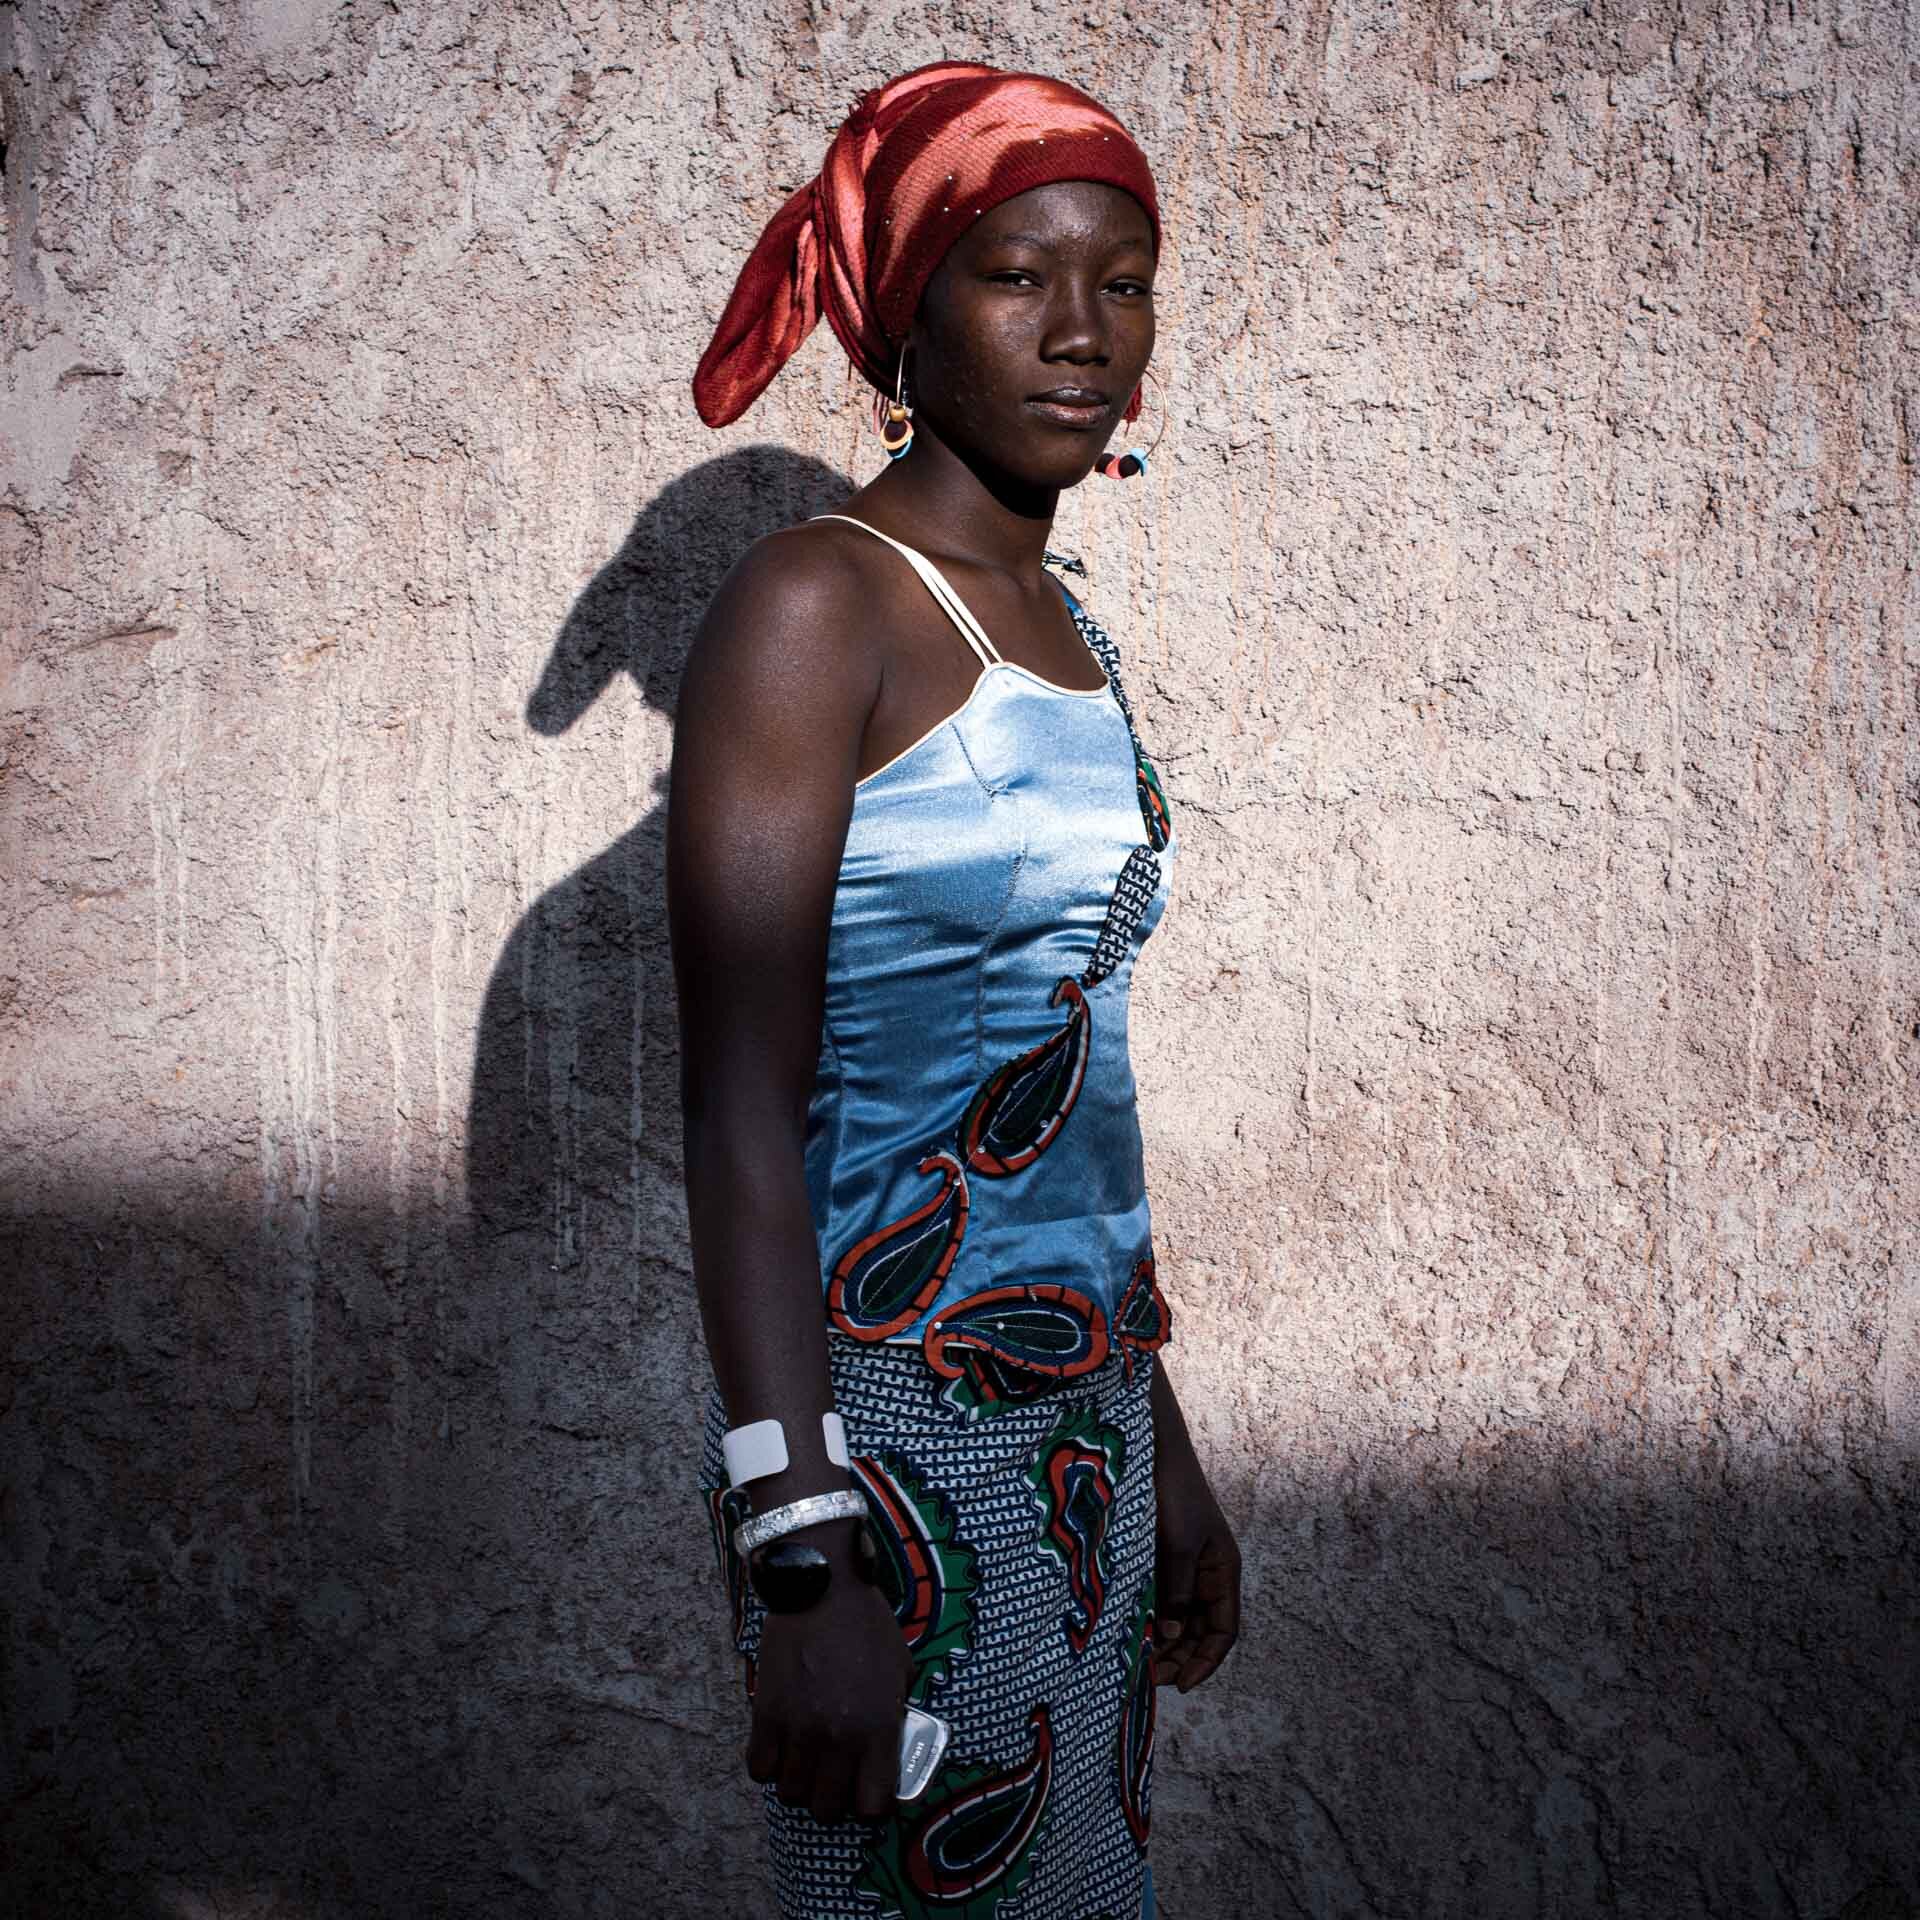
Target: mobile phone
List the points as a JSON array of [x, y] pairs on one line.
[[923, 1739]]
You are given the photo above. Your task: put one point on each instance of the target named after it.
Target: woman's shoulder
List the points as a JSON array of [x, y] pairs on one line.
[[816, 566], [816, 579], [797, 605]]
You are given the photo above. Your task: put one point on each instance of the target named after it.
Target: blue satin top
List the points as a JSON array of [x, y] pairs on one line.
[[973, 1153]]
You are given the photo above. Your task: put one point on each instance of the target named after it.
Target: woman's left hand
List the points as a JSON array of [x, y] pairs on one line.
[[1196, 1574]]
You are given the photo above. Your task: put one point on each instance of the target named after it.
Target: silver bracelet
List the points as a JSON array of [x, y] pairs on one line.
[[762, 1527]]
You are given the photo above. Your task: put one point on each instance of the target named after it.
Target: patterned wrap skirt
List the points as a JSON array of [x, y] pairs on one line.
[[1016, 1524]]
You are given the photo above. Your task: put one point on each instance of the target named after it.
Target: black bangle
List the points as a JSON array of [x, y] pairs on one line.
[[790, 1575]]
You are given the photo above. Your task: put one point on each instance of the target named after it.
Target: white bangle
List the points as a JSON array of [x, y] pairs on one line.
[[762, 1527], [760, 1448]]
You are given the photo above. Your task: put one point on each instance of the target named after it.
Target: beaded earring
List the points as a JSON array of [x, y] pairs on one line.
[[893, 419], [1124, 466]]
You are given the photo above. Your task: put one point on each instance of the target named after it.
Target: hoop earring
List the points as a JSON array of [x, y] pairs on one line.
[[1125, 466], [893, 419]]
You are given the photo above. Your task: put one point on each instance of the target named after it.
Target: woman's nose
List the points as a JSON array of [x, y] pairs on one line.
[[1076, 327]]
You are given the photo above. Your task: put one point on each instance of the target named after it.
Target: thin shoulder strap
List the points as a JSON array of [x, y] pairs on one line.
[[939, 586]]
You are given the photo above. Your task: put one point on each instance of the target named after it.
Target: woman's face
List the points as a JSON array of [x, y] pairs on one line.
[[1035, 330]]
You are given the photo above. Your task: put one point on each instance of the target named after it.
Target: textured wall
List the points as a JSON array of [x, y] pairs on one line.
[[1523, 610]]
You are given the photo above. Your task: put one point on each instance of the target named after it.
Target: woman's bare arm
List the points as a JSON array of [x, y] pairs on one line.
[[772, 711]]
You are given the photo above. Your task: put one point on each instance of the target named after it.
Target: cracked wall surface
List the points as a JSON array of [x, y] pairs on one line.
[[1521, 609]]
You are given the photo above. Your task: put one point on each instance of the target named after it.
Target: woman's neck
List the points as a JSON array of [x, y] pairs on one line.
[[965, 509]]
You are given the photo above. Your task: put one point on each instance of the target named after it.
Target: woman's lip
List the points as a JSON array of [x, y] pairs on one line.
[[1071, 413]]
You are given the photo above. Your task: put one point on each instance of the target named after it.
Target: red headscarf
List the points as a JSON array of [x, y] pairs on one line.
[[918, 161]]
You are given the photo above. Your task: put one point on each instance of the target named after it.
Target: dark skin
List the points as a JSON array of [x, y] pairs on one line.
[[822, 658]]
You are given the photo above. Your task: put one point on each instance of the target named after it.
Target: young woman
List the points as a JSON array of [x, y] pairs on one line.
[[913, 849]]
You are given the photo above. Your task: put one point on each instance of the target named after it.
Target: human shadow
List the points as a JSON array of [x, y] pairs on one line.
[[467, 1659], [573, 1132], [595, 1536]]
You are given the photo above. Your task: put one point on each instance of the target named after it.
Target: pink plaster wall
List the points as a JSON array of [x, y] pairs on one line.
[[1522, 609]]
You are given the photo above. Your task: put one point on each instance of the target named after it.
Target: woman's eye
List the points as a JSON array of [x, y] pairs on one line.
[[1131, 286], [1011, 276]]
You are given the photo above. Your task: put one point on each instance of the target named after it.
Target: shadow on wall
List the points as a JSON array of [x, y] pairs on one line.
[[436, 1631], [573, 1128], [425, 1624]]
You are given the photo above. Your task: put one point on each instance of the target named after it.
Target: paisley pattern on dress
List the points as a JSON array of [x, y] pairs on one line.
[[885, 1282], [1021, 1107], [1143, 1322], [1132, 895], [726, 1508], [986, 1385], [1042, 1327], [1153, 803], [1100, 644], [1155, 815], [927, 1573], [1135, 1756], [984, 1355], [1075, 1476], [952, 1500], [968, 1844]]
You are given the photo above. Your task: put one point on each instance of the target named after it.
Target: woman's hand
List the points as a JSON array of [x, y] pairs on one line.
[[1196, 1558], [830, 1690]]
